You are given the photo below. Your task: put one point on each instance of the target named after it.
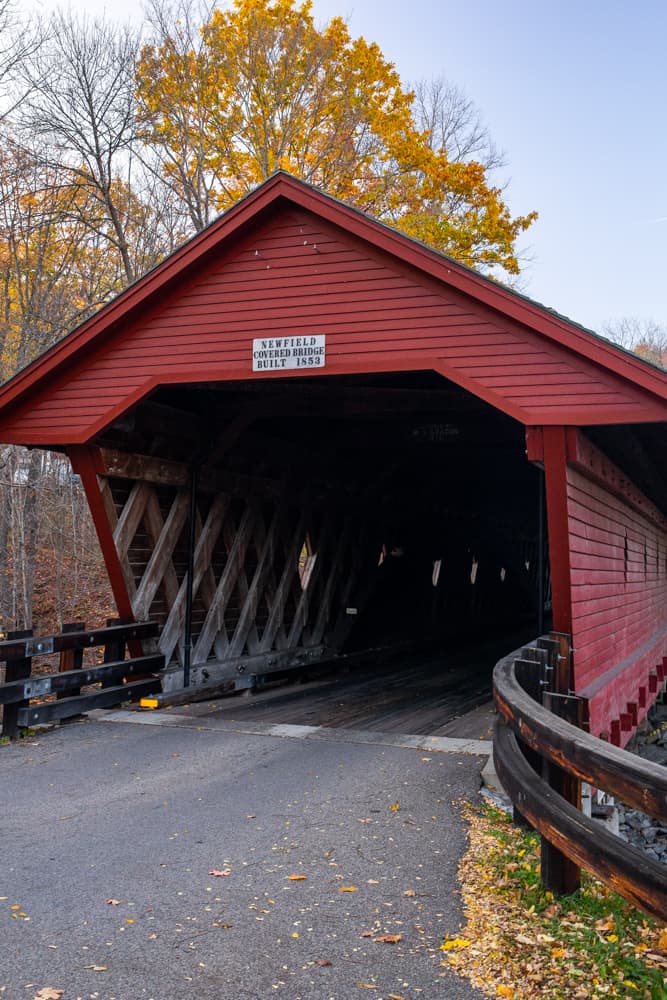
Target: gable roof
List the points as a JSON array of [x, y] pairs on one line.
[[646, 384]]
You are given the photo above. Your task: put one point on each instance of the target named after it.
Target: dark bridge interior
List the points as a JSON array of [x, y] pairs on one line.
[[423, 515]]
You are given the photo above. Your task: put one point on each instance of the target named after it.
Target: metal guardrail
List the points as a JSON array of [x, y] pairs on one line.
[[545, 789]]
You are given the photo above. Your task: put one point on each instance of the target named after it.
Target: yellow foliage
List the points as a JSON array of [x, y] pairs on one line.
[[265, 89]]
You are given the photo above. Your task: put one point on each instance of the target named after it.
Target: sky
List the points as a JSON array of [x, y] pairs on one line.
[[575, 93]]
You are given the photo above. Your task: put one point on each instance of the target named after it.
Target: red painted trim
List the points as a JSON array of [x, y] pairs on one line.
[[86, 463], [281, 189], [555, 477]]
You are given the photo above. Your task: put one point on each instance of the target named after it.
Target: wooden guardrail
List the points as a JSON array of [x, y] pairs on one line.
[[541, 759], [21, 686]]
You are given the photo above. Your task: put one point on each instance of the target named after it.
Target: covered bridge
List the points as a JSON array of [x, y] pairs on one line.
[[354, 441]]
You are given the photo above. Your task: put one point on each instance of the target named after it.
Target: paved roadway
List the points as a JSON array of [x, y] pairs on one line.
[[141, 814]]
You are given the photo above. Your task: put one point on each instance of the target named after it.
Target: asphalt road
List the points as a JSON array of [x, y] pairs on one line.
[[141, 815]]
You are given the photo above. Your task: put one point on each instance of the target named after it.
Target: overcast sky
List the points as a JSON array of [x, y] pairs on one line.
[[575, 92]]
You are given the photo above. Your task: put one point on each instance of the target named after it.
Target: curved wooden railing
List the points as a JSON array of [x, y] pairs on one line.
[[568, 754]]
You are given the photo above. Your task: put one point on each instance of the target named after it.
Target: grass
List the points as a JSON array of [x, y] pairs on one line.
[[519, 942]]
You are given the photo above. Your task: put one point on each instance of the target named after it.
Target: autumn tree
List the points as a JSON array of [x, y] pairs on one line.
[[647, 338], [79, 111], [260, 87]]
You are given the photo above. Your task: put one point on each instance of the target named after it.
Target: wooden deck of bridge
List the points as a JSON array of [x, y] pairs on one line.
[[444, 693]]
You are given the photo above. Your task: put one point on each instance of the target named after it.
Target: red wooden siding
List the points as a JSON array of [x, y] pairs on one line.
[[300, 274], [618, 565]]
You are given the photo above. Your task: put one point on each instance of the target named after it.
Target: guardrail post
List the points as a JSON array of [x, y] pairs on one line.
[[71, 659], [16, 670], [532, 672], [559, 874], [114, 650]]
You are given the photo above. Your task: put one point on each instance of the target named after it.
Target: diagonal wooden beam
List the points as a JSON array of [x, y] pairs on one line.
[[215, 618], [130, 518], [259, 582], [222, 639], [160, 563], [154, 523], [208, 536], [334, 577], [303, 608], [289, 575]]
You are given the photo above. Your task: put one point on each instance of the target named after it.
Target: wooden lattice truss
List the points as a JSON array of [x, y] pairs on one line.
[[275, 574]]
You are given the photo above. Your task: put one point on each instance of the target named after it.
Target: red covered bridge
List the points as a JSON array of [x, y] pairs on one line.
[[353, 441]]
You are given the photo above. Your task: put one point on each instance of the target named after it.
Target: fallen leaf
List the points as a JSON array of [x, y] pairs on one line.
[[367, 986], [372, 881], [97, 968], [389, 938], [297, 878], [48, 993], [222, 873], [394, 996], [454, 943], [410, 892], [225, 927], [396, 806], [348, 888], [662, 940], [366, 934], [295, 935], [113, 902], [505, 991], [322, 961]]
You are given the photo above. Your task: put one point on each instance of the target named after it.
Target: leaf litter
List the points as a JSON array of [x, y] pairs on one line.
[[521, 943]]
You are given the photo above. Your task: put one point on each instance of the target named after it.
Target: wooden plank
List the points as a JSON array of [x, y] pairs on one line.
[[159, 564], [16, 649], [130, 517], [204, 547], [221, 641], [321, 551], [215, 618], [144, 468], [155, 524], [626, 869], [633, 780], [68, 683], [289, 575], [257, 585], [68, 707]]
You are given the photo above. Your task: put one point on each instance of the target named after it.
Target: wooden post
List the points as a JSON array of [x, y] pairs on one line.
[[531, 671], [563, 680], [559, 874], [114, 649], [16, 670], [71, 659]]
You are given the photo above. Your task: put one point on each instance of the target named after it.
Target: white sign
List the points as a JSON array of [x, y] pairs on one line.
[[281, 353]]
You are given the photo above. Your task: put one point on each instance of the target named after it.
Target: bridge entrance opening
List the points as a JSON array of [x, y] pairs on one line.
[[386, 523]]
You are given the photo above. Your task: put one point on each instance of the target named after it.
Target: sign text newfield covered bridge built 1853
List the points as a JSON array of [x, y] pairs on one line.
[[348, 437]]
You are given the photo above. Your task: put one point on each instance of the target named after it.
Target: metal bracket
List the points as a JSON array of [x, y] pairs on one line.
[[39, 647], [36, 688]]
